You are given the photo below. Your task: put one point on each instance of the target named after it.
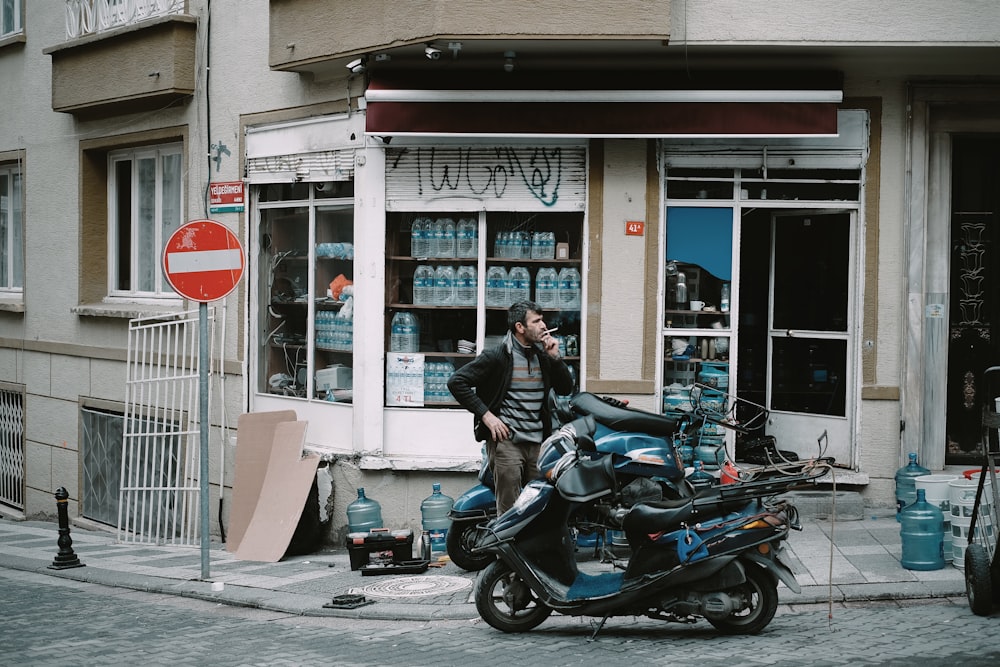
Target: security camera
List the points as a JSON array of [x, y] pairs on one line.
[[432, 52], [356, 66]]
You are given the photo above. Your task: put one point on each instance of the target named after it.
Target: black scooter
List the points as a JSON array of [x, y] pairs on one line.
[[713, 555]]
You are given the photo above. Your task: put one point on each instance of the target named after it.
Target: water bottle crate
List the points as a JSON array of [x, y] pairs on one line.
[[379, 548]]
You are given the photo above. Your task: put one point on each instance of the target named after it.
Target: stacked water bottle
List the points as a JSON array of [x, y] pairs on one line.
[[335, 329], [522, 245], [335, 250], [436, 374], [444, 238], [445, 285]]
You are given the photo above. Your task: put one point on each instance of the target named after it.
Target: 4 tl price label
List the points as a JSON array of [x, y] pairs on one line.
[[634, 228]]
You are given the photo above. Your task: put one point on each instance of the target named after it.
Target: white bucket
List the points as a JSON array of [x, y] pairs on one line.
[[963, 492], [938, 493], [958, 545]]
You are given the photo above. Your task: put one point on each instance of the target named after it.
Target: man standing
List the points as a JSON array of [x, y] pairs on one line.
[[505, 388]]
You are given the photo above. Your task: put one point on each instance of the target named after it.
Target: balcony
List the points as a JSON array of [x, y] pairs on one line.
[[319, 36], [148, 45]]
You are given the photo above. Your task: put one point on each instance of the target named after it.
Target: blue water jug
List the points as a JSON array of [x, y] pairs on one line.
[[922, 535], [434, 516], [363, 514], [906, 487]]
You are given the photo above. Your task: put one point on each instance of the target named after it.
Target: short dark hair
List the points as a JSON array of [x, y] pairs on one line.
[[518, 312]]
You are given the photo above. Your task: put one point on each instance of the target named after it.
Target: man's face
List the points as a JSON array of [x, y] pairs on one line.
[[533, 328]]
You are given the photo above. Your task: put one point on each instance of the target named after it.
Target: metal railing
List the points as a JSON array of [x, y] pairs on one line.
[[89, 17]]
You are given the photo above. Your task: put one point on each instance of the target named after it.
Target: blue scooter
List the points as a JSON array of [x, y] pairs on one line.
[[656, 471]]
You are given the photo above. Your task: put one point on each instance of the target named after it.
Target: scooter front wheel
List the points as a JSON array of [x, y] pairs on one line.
[[459, 542], [506, 602], [759, 600]]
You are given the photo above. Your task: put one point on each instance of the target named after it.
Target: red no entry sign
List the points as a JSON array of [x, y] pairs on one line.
[[203, 260]]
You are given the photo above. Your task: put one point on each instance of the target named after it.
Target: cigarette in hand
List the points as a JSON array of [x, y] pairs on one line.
[[548, 331]]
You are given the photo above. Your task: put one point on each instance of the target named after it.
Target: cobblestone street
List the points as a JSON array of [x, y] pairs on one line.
[[50, 621]]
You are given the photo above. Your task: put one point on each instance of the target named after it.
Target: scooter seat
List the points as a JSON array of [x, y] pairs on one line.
[[622, 419], [659, 515]]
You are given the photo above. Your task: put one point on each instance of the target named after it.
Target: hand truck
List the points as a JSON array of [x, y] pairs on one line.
[[982, 565]]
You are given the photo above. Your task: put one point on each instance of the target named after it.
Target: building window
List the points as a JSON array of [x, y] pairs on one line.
[[145, 194], [10, 18], [11, 229]]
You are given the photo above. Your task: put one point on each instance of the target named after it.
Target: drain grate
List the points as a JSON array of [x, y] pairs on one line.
[[414, 587]]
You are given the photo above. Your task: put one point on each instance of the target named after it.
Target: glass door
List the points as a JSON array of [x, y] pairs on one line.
[[810, 332]]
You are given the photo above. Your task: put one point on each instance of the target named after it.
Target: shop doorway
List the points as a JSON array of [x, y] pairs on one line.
[[796, 329], [973, 306]]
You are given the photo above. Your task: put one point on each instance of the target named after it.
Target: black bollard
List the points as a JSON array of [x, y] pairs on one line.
[[65, 559]]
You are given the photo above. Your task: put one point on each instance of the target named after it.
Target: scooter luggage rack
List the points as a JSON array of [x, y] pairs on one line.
[[982, 555], [718, 407]]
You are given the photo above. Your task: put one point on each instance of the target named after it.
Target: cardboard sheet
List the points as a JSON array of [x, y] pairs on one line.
[[282, 496], [254, 440]]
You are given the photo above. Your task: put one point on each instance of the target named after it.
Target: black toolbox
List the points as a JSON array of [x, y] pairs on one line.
[[379, 546]]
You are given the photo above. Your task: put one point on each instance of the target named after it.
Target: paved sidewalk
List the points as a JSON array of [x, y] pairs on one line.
[[863, 559]]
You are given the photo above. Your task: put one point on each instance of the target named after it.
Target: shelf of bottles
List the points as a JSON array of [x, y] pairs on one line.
[[307, 291], [451, 278]]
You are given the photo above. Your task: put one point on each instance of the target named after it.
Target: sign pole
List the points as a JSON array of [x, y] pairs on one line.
[[203, 261], [203, 433]]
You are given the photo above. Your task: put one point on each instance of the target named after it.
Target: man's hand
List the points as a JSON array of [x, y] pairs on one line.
[[498, 430], [551, 346]]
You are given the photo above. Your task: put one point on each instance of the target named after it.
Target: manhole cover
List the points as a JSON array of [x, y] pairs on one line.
[[414, 587]]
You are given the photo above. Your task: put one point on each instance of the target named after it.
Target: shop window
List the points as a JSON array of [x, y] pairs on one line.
[[698, 293], [145, 193], [452, 275], [306, 287], [11, 228]]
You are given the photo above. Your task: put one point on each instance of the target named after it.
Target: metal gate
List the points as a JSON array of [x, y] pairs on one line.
[[12, 445], [161, 442]]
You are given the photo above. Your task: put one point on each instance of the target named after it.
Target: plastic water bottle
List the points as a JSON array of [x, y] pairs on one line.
[[922, 535], [435, 238], [418, 237], [413, 333], [396, 343], [550, 245], [466, 285], [906, 487], [467, 238], [363, 514], [520, 284], [423, 285], [434, 518], [524, 243], [496, 287], [447, 370], [569, 289], [405, 333], [444, 286], [446, 247], [546, 290]]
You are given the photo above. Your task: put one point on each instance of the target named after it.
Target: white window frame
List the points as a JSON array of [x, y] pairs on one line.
[[12, 228], [12, 14], [161, 289]]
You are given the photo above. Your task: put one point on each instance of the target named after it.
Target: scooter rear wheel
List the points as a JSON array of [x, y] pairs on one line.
[[760, 597], [459, 543], [506, 602]]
